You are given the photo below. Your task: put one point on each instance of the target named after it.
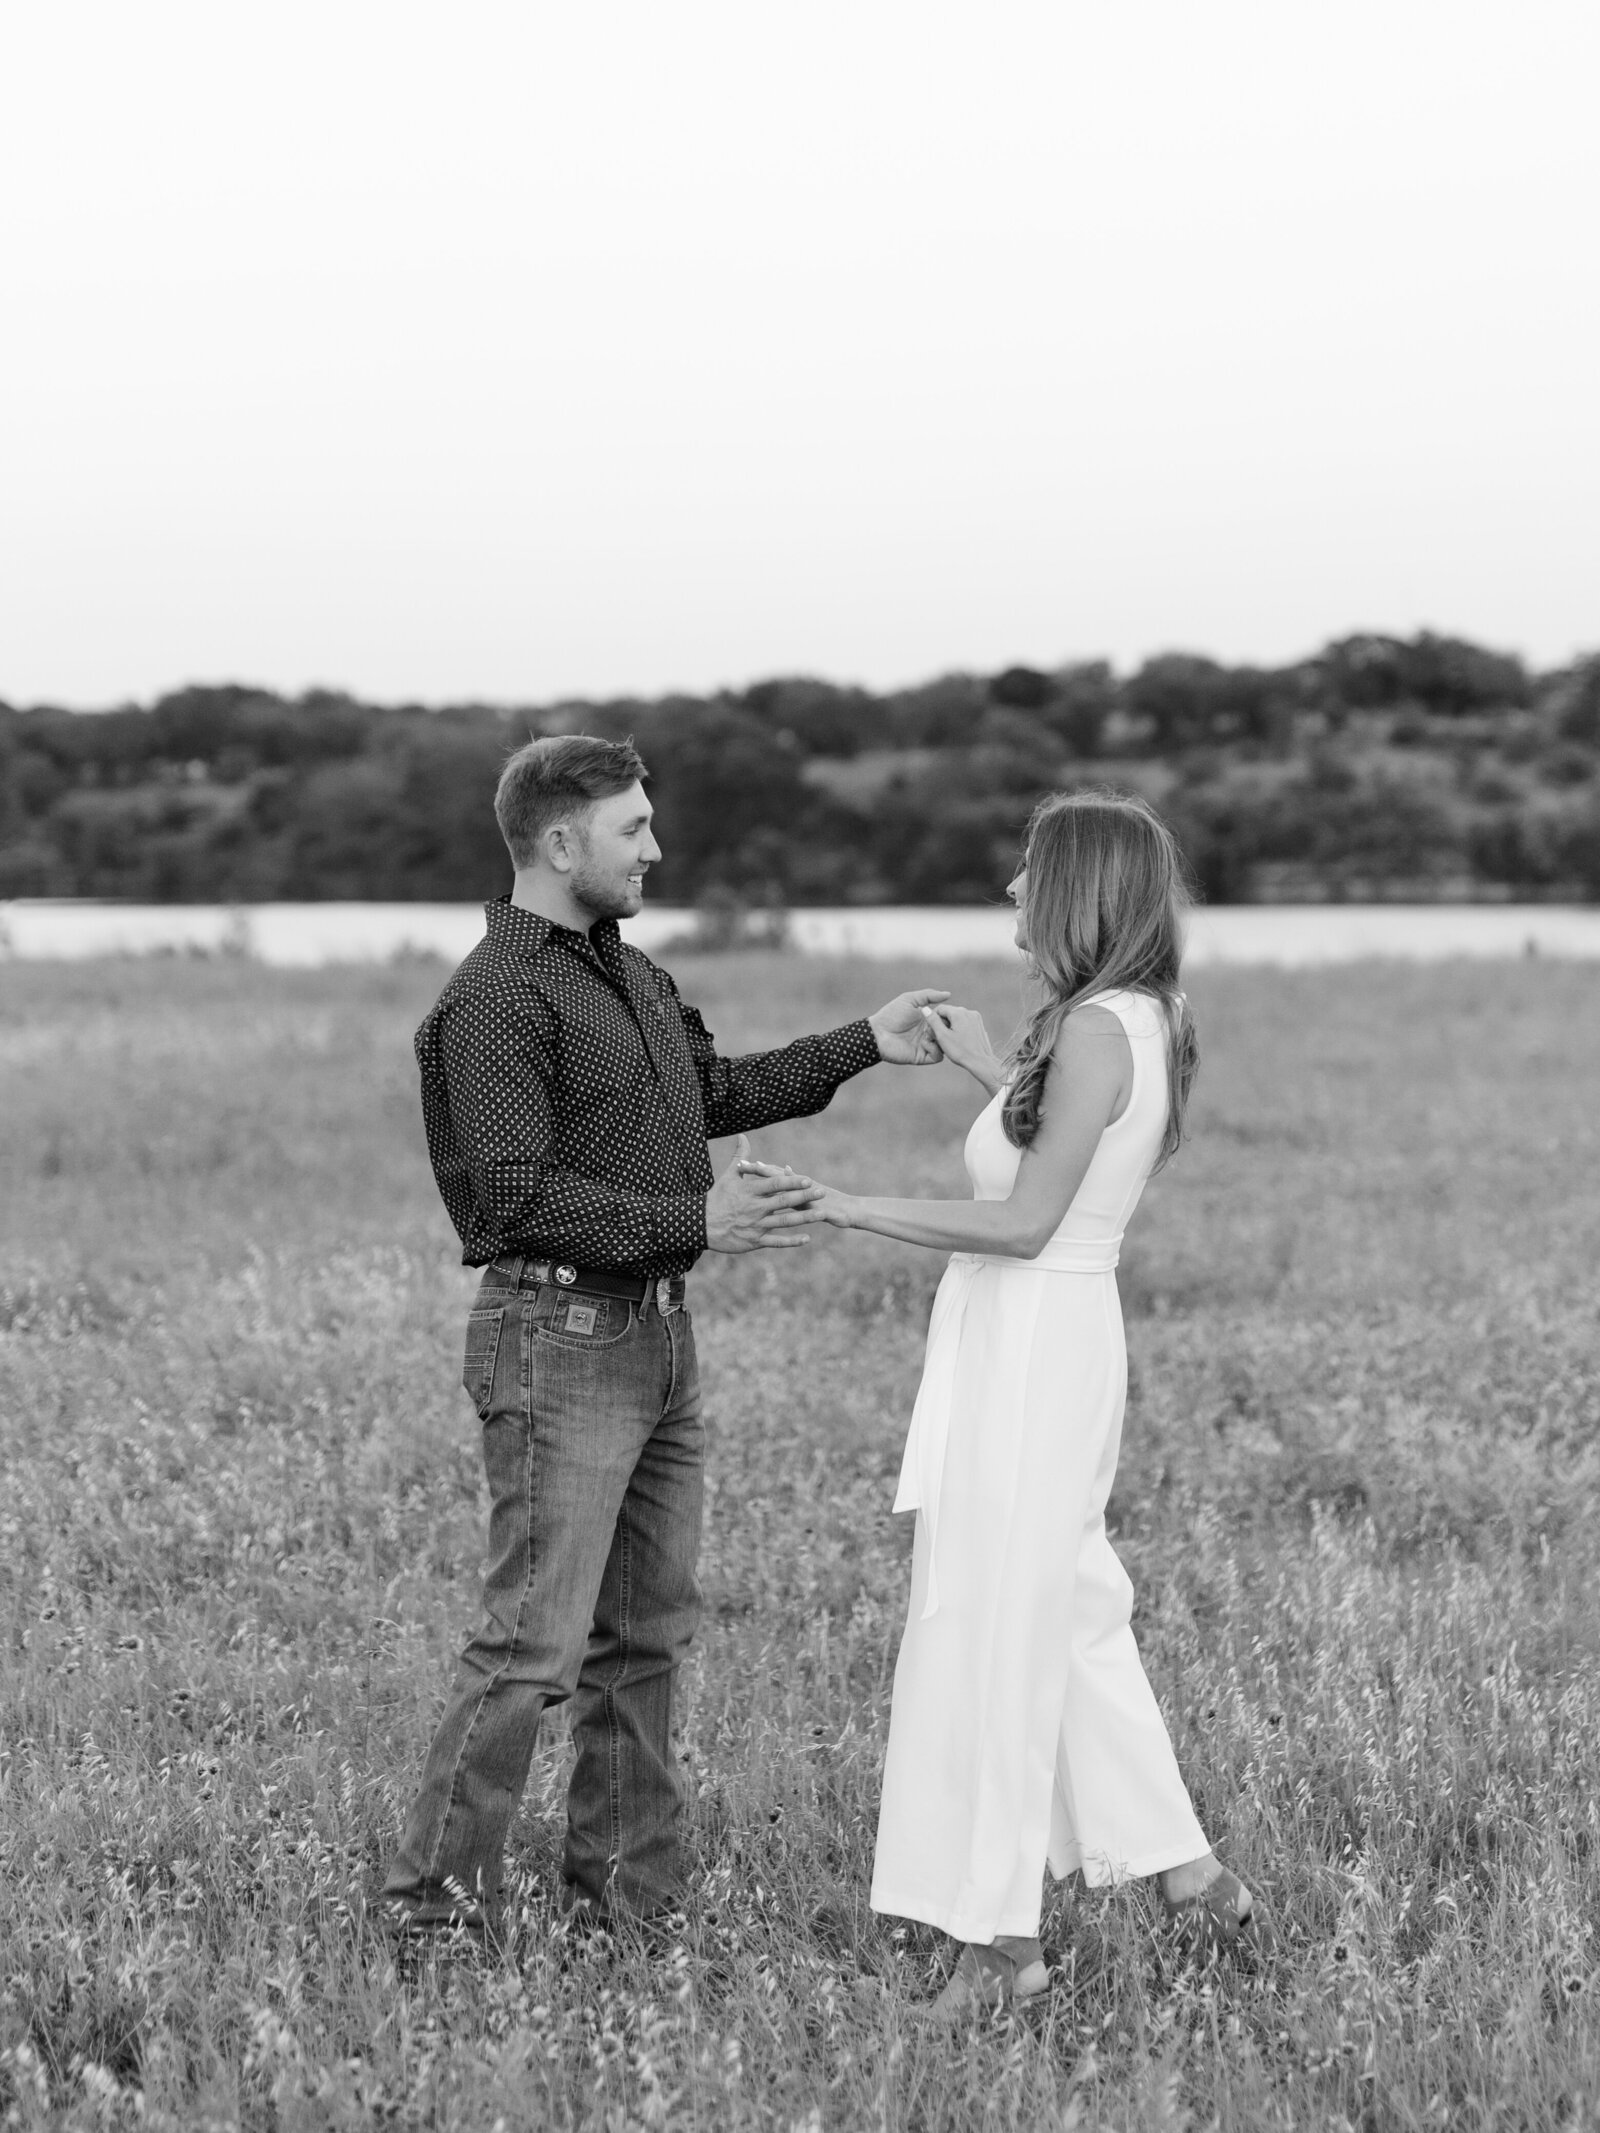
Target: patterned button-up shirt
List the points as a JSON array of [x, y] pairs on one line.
[[568, 1094]]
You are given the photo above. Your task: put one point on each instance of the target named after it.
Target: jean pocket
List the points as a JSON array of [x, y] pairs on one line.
[[574, 1319], [477, 1368]]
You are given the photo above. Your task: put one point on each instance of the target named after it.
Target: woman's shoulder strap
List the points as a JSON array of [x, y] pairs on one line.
[[1138, 1012], [1118, 1001]]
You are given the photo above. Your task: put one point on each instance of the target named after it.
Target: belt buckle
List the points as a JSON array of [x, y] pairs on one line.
[[664, 1293]]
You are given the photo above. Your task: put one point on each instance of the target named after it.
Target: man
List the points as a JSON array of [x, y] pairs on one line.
[[568, 1095]]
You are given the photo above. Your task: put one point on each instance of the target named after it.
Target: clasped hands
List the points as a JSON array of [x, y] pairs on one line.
[[756, 1206]]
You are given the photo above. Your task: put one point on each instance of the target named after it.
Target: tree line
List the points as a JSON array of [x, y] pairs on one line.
[[1378, 768]]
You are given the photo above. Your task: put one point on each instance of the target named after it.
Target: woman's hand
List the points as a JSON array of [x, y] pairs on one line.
[[902, 1038], [962, 1038], [835, 1208], [826, 1204]]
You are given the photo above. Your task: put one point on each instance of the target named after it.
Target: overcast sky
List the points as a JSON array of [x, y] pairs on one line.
[[534, 350]]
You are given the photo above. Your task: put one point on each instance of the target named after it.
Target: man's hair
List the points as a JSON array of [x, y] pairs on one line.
[[558, 780]]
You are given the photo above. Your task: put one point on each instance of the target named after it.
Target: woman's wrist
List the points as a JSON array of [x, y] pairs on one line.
[[847, 1210]]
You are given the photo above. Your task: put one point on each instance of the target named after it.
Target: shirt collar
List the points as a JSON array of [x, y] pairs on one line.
[[518, 927]]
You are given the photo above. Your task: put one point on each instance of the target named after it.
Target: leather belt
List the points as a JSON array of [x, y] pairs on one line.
[[665, 1291]]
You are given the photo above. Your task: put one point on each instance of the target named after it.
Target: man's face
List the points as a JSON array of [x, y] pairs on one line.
[[615, 848]]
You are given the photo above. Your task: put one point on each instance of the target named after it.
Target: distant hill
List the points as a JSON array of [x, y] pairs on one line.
[[1380, 768]]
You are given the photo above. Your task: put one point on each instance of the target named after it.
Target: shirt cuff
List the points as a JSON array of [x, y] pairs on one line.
[[680, 1227], [849, 1051]]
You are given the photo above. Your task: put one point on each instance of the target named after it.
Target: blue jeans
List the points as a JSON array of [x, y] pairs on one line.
[[594, 1447]]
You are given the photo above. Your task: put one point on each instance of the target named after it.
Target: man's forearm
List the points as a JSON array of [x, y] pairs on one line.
[[765, 1088], [563, 1215]]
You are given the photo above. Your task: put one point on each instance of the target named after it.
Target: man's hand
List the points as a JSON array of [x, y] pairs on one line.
[[903, 1036], [754, 1208], [825, 1205]]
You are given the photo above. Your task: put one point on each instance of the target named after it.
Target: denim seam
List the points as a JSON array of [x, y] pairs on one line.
[[613, 1730], [498, 1675]]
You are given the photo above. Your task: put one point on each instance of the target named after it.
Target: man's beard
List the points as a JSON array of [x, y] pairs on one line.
[[604, 896]]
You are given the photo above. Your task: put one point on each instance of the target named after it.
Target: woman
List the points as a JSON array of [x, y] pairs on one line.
[[1023, 1730]]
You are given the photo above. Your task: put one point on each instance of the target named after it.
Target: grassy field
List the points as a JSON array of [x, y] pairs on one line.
[[241, 1517]]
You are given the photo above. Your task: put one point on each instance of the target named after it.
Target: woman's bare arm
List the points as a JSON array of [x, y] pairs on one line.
[[1091, 1077]]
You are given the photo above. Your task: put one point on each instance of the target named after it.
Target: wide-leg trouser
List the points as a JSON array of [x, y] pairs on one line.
[[1023, 1729]]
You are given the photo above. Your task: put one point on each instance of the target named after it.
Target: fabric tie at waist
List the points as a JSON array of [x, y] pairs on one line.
[[922, 1468]]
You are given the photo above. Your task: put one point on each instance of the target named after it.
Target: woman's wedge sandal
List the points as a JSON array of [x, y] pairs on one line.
[[1222, 1918], [993, 1980]]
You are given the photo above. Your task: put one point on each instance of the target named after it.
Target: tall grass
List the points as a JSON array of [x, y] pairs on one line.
[[241, 1518]]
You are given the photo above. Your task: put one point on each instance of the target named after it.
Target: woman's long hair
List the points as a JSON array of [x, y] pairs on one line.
[[1104, 911]]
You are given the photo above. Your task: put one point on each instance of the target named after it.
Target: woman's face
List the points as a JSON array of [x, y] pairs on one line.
[[1017, 890]]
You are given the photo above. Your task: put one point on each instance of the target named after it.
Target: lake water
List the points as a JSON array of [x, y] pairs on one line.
[[1290, 935]]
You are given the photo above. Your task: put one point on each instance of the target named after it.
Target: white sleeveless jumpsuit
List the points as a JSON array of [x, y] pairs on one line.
[[1023, 1729]]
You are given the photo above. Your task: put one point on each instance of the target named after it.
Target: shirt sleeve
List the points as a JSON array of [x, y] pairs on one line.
[[764, 1088], [499, 1075]]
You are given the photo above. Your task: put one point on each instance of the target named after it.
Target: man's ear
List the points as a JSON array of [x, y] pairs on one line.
[[560, 843]]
